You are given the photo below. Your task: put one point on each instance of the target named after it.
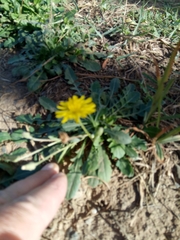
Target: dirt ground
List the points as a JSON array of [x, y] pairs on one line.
[[144, 207]]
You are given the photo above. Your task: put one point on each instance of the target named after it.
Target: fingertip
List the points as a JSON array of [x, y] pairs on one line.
[[60, 181], [49, 166]]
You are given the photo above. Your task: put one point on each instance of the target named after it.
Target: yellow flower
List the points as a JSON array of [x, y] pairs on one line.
[[75, 108]]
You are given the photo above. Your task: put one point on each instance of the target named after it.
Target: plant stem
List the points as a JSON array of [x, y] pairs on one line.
[[85, 130], [32, 153], [64, 150]]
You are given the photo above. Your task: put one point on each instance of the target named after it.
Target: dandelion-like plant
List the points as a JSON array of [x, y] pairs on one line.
[[97, 117]]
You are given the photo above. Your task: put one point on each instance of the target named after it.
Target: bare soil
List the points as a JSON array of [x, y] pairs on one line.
[[144, 207], [119, 211]]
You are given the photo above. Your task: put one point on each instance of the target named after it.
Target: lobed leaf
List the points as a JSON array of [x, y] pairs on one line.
[[138, 143], [117, 151], [124, 165], [119, 136], [131, 152], [48, 104]]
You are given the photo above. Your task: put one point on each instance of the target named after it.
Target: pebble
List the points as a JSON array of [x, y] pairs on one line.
[[94, 211]]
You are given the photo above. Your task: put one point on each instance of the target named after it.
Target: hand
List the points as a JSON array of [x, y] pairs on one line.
[[28, 206]]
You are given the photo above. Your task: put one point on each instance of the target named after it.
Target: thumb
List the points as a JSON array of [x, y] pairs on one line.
[[28, 216]]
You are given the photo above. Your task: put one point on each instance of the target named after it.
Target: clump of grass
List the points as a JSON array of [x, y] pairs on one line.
[[49, 38], [120, 18]]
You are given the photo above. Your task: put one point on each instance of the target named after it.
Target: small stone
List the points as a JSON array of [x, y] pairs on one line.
[[94, 211]]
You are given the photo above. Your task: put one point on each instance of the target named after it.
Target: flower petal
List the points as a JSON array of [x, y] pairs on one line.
[[75, 108]]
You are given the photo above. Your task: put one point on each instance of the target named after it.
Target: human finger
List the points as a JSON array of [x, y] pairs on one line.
[[22, 187], [34, 210]]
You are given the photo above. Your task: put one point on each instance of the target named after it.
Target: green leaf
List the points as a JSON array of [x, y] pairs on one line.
[[70, 126], [124, 56], [27, 135], [124, 165], [97, 137], [18, 152], [117, 151], [130, 104], [92, 161], [70, 74], [119, 136], [74, 180], [93, 180], [91, 65], [57, 69], [34, 83], [95, 87], [16, 59], [138, 143], [130, 95], [7, 158], [70, 14], [159, 151], [151, 131], [7, 167], [162, 89], [169, 135], [131, 152], [17, 135], [56, 151], [96, 92], [25, 118], [13, 155], [114, 86], [104, 170], [78, 159], [4, 136], [9, 42], [169, 139], [48, 104]]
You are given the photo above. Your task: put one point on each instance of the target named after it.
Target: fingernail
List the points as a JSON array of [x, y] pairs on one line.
[[50, 166], [58, 175]]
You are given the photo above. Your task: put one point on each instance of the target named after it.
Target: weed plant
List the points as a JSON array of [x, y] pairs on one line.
[[93, 142], [88, 134], [49, 38]]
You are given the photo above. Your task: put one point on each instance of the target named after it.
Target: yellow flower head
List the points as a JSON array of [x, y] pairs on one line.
[[75, 108]]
